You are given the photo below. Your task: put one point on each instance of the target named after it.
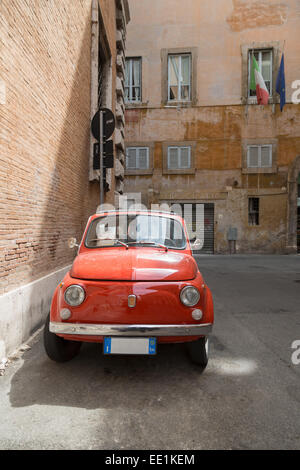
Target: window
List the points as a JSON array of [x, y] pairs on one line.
[[253, 211], [264, 59], [179, 158], [133, 83], [179, 77], [259, 156], [135, 230], [137, 158], [268, 56]]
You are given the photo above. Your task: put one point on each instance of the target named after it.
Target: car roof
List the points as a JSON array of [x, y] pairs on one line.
[[171, 215]]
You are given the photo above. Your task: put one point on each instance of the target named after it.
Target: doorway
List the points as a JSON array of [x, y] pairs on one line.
[[189, 212]]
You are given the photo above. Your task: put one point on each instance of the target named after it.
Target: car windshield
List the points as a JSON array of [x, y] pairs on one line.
[[135, 230]]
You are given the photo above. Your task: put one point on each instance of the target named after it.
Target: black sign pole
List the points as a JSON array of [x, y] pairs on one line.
[[101, 158], [102, 127]]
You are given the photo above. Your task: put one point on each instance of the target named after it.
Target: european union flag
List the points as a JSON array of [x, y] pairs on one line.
[[280, 83]]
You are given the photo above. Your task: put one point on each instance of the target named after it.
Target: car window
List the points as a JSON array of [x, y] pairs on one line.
[[134, 229]]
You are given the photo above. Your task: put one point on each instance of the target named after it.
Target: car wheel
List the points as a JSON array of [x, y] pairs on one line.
[[198, 351], [59, 349]]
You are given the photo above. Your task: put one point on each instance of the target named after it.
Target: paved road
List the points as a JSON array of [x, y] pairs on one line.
[[247, 398]]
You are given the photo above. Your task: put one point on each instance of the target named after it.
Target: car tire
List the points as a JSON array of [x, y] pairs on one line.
[[59, 349], [198, 351]]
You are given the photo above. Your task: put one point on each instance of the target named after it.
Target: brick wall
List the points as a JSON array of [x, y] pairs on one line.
[[46, 196]]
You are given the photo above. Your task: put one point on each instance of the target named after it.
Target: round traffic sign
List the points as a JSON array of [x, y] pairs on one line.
[[108, 123]]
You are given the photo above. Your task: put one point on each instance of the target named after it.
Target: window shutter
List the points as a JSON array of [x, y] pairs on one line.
[[253, 157], [143, 159], [266, 156], [185, 157], [173, 158], [127, 65], [131, 158]]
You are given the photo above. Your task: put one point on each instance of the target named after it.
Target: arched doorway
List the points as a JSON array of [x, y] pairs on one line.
[[293, 213]]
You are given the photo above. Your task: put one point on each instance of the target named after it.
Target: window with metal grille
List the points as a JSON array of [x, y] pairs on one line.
[[137, 158], [264, 59], [133, 84], [179, 158], [179, 77], [253, 211], [259, 156]]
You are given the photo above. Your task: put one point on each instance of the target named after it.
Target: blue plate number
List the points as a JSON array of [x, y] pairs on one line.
[[126, 345]]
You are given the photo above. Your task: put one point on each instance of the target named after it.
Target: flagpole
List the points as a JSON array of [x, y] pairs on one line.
[[280, 81]]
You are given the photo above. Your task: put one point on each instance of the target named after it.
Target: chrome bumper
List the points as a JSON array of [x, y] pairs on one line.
[[130, 330]]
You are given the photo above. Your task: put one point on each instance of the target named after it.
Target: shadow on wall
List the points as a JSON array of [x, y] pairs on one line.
[[71, 198]]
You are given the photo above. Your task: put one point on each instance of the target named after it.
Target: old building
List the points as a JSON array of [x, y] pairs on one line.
[[194, 131], [59, 62]]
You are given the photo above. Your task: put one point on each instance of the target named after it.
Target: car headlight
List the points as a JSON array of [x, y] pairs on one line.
[[74, 295], [189, 296]]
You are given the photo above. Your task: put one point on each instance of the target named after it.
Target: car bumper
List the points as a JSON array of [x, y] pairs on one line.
[[83, 329]]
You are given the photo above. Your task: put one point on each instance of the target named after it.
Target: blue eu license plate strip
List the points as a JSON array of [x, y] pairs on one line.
[[125, 345]]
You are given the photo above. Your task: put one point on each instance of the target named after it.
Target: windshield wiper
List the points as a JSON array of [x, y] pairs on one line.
[[145, 242], [113, 240], [122, 243]]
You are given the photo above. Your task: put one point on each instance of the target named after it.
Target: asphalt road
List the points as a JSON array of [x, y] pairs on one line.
[[247, 398]]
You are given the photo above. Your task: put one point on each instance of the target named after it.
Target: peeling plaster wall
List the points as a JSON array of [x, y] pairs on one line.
[[219, 124], [256, 14], [209, 26]]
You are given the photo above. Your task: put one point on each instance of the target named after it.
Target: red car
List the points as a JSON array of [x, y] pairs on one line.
[[133, 285]]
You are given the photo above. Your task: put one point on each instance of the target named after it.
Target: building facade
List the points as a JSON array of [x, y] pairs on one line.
[[195, 134], [59, 62]]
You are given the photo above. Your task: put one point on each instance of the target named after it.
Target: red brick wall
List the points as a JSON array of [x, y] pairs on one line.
[[45, 117]]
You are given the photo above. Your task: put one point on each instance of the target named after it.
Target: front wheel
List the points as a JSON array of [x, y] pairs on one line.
[[59, 349], [198, 351]]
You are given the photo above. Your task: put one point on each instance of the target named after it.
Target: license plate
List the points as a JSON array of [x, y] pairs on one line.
[[117, 345]]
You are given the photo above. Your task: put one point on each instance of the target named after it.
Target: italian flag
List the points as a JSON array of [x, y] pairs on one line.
[[257, 84]]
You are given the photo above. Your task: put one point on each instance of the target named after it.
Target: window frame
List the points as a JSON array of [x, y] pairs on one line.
[[193, 51], [260, 51], [137, 157], [180, 55], [276, 47], [179, 156], [246, 143], [255, 212], [259, 147], [179, 171], [150, 152], [130, 86]]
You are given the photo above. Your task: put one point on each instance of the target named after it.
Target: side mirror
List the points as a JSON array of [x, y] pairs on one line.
[[72, 242], [197, 244]]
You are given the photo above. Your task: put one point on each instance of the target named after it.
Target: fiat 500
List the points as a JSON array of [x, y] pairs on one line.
[[133, 285]]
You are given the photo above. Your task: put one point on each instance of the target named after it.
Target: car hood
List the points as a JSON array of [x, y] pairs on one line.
[[134, 264]]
